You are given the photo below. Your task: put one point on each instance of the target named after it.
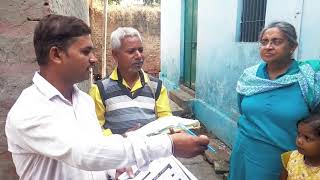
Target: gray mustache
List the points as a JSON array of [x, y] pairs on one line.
[[139, 61]]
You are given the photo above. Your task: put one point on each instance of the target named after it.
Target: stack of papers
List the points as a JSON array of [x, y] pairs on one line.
[[161, 169], [164, 168], [163, 124]]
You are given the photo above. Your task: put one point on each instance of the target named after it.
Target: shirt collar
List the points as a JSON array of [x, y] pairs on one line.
[[48, 89], [114, 76], [293, 69]]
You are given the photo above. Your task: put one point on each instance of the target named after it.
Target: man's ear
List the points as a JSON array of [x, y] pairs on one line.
[[115, 55], [55, 55]]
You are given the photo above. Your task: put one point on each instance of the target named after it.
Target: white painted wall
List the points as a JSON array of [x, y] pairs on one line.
[[171, 41], [310, 34], [220, 58], [304, 15]]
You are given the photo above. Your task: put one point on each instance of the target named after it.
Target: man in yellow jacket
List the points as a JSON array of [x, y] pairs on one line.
[[128, 98]]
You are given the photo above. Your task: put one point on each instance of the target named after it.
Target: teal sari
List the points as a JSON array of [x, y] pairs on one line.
[[270, 110]]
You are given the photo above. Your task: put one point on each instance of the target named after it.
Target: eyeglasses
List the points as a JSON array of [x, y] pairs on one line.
[[274, 42]]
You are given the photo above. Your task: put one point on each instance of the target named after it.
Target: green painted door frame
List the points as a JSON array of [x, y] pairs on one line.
[[190, 43]]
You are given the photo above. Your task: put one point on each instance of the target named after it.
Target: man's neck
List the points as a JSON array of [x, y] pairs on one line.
[[130, 77], [66, 89]]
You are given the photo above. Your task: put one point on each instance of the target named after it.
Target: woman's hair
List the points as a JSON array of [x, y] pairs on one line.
[[288, 30], [313, 121], [120, 33]]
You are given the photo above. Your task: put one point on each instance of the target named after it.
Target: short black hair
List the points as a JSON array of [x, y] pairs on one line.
[[59, 31], [313, 121]]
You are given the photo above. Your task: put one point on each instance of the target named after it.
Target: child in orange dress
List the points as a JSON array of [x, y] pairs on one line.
[[304, 163]]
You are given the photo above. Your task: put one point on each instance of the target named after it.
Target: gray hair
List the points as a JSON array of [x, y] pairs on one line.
[[288, 30], [120, 33]]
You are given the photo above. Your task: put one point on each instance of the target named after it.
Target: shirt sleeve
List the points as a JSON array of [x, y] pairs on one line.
[[99, 107], [163, 105], [285, 158], [66, 142]]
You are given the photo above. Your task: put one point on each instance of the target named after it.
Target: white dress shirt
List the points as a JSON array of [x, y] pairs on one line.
[[52, 138]]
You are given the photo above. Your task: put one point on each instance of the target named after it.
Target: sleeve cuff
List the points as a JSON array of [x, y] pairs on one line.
[[146, 149], [160, 146]]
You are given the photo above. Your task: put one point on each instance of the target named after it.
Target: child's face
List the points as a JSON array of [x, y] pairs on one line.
[[307, 141]]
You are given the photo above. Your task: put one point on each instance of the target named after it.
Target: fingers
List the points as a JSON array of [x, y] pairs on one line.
[[203, 140], [137, 126], [130, 172], [171, 131], [204, 136], [119, 172], [178, 131], [187, 146]]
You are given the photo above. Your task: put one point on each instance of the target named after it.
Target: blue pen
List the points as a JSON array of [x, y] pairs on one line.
[[183, 127]]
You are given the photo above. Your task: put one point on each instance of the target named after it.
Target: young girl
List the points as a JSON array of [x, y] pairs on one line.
[[304, 163]]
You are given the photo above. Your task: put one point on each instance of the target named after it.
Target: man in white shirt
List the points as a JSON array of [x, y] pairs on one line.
[[52, 129]]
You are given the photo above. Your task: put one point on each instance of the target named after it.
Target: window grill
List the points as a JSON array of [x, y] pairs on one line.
[[252, 19]]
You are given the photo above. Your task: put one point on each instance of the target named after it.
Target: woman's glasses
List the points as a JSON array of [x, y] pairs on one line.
[[273, 42]]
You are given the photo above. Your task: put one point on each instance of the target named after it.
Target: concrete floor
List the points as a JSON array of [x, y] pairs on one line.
[[200, 168]]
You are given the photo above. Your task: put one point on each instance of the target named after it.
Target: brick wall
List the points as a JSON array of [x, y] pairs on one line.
[[17, 59], [145, 19]]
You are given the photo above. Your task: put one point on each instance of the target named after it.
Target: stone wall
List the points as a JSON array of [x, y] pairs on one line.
[[77, 8], [145, 19], [17, 59]]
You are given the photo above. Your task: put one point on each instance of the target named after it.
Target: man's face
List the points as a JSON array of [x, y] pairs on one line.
[[130, 55], [78, 59]]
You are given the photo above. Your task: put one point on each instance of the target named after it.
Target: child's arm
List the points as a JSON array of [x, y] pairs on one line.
[[284, 174], [284, 159]]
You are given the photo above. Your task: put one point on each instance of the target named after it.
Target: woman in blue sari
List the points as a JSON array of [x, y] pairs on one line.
[[273, 96]]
